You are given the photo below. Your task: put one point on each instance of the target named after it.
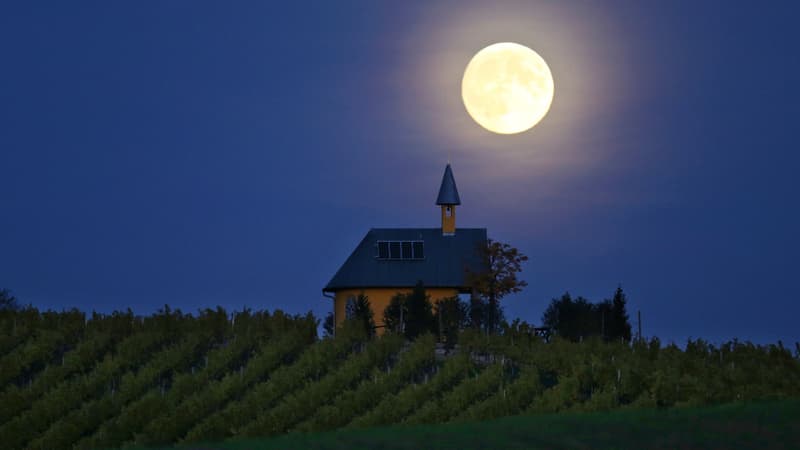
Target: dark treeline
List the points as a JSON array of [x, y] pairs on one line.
[[575, 319], [7, 300], [414, 314]]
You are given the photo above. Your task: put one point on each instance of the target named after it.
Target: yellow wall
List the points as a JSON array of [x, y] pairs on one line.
[[449, 223], [379, 299]]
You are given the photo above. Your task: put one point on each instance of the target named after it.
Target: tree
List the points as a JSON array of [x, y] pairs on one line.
[[328, 325], [619, 326], [572, 319], [482, 315], [410, 314], [359, 311], [578, 318], [500, 265], [476, 312], [451, 317], [7, 301]]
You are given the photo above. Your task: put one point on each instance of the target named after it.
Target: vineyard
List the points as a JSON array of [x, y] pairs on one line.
[[69, 380]]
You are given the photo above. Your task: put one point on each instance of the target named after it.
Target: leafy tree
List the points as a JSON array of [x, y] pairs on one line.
[[394, 316], [7, 301], [328, 325], [578, 318], [476, 312], [410, 314], [358, 310], [500, 265], [572, 319], [483, 315], [451, 317]]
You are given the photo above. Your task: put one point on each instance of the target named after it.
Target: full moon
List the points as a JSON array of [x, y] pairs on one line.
[[507, 88]]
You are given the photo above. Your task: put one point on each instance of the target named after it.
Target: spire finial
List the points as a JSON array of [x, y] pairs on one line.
[[448, 193]]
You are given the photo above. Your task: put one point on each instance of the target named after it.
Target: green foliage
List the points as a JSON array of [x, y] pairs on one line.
[[311, 365], [572, 319], [451, 317], [136, 415], [508, 399], [501, 264], [7, 301], [104, 381], [578, 319], [471, 390], [30, 357], [618, 325], [417, 359], [394, 408], [358, 311], [484, 315], [177, 421], [303, 403], [72, 392], [410, 314], [71, 375], [131, 386], [328, 325], [16, 398]]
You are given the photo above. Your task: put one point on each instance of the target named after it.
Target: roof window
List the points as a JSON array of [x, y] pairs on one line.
[[400, 250]]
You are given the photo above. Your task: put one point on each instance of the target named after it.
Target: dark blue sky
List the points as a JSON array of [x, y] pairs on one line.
[[201, 154]]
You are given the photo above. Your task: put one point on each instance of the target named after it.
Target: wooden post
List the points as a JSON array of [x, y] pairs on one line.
[[639, 321], [402, 324], [441, 331]]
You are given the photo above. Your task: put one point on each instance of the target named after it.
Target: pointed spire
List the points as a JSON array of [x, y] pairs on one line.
[[448, 193]]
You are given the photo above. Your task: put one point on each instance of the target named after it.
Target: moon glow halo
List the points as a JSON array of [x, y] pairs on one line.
[[507, 88]]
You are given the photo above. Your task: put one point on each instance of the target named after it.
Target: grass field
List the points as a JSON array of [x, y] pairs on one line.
[[755, 425]]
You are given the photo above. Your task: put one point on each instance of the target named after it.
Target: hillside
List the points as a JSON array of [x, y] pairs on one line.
[[71, 381]]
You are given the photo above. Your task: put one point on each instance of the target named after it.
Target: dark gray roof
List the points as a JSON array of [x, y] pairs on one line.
[[446, 258], [448, 193]]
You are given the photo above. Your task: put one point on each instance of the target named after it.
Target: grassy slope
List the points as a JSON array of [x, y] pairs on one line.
[[756, 425]]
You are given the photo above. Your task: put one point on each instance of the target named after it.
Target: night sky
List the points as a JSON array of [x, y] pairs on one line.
[[235, 153]]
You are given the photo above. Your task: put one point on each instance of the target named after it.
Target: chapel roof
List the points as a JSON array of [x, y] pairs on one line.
[[445, 262]]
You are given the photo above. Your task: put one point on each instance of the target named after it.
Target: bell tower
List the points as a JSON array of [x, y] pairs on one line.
[[448, 199]]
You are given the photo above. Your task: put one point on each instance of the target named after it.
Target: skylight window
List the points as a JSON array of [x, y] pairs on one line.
[[394, 250], [402, 250], [405, 250], [383, 250], [419, 250]]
